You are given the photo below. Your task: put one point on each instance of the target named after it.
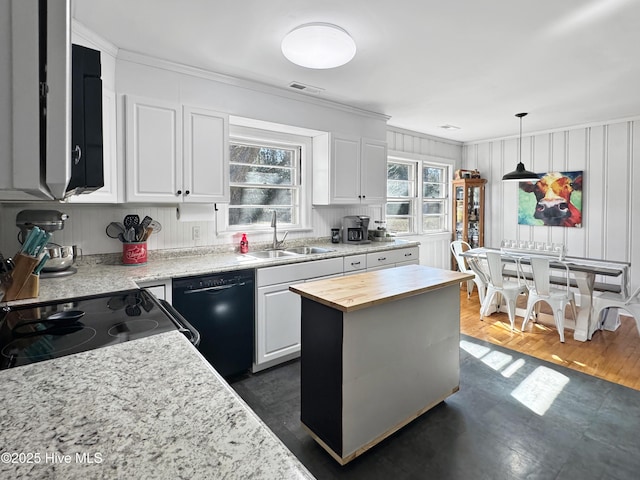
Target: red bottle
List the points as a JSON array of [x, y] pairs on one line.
[[244, 244]]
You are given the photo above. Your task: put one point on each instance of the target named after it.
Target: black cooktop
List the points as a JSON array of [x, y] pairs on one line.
[[43, 331]]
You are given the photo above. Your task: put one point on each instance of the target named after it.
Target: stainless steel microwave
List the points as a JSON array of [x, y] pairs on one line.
[[38, 159]]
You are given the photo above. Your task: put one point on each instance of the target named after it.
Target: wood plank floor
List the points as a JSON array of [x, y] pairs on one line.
[[613, 356]]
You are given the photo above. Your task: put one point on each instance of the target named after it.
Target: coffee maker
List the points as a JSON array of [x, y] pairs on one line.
[[355, 229]]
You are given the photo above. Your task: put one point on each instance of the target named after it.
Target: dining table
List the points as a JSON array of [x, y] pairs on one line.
[[587, 274]]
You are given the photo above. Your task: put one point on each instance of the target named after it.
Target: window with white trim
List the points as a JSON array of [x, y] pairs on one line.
[[266, 175], [417, 196]]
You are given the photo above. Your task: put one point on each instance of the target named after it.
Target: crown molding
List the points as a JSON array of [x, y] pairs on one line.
[[100, 42], [139, 58]]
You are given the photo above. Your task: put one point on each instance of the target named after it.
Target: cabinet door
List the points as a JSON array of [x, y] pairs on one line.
[[206, 156], [373, 171], [345, 170], [153, 150], [278, 324]]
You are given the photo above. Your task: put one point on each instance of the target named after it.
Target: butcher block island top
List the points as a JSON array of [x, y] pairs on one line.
[[355, 292]]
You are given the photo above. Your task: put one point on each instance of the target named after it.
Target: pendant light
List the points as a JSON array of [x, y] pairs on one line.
[[520, 174]]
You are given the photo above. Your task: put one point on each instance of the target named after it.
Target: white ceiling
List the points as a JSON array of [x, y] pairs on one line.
[[425, 63]]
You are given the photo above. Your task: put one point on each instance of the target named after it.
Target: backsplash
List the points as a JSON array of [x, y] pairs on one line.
[[87, 223]]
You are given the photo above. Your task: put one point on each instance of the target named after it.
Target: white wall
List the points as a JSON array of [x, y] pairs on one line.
[[606, 153]]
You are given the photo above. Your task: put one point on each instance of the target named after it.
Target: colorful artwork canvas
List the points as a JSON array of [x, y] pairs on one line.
[[554, 200]]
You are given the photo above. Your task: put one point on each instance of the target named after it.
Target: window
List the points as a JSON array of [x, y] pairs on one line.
[[416, 196], [401, 194], [265, 175]]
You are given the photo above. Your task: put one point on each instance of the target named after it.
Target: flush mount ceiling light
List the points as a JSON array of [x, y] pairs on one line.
[[520, 173], [318, 45]]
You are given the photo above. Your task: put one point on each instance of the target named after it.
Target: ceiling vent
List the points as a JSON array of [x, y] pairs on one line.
[[301, 87]]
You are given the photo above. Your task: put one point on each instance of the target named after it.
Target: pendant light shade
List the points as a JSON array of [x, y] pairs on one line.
[[520, 174]]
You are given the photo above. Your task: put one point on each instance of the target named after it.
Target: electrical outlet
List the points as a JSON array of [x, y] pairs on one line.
[[195, 232]]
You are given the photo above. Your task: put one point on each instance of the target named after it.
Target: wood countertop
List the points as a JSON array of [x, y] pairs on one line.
[[364, 290]]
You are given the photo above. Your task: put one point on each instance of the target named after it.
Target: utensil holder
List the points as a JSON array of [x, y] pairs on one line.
[[134, 253], [21, 277]]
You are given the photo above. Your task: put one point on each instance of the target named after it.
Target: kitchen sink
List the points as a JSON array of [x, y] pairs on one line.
[[271, 254], [308, 250]]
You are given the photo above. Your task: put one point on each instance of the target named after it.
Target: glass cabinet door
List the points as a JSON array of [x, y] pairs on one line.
[[468, 211]]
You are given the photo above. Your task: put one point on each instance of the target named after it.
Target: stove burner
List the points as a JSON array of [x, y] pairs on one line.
[[38, 345], [133, 327]]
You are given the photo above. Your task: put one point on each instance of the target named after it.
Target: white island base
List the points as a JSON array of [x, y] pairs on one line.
[[368, 371]]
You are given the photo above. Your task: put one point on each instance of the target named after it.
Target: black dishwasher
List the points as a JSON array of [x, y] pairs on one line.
[[221, 308]]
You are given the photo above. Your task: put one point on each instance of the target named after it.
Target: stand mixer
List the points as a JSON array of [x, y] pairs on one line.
[[62, 257]]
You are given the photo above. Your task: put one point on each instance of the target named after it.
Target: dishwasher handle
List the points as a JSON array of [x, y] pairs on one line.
[[184, 327], [210, 289]]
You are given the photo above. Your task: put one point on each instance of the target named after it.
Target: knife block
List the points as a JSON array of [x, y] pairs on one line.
[[23, 283]]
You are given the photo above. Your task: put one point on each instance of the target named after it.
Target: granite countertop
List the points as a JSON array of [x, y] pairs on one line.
[[370, 289], [98, 278], [148, 408]]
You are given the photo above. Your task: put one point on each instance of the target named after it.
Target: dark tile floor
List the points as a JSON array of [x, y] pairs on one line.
[[515, 417]]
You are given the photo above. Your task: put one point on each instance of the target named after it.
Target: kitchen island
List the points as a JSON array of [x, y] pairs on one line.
[[148, 408], [378, 350]]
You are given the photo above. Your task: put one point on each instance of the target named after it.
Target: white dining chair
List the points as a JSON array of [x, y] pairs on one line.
[[630, 304], [498, 285], [556, 297], [457, 247]]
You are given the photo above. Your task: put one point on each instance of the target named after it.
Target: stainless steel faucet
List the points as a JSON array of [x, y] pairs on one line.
[[274, 224]]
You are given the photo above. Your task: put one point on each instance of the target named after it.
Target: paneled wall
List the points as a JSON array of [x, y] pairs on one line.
[[609, 155]]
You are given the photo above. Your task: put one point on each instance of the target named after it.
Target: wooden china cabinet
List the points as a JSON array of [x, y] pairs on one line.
[[468, 211]]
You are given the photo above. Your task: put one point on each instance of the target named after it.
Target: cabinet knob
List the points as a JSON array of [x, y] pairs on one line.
[[187, 192], [179, 192]]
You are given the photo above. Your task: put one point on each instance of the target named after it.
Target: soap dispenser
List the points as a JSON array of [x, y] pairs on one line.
[[244, 244]]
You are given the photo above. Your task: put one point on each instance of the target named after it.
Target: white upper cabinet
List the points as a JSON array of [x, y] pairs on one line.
[[175, 154], [153, 150], [206, 156], [373, 171], [349, 170]]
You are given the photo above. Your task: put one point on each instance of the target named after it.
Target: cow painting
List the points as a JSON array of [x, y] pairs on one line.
[[554, 200]]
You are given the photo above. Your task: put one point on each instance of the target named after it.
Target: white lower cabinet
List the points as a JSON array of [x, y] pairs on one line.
[[278, 309], [277, 325], [393, 258]]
